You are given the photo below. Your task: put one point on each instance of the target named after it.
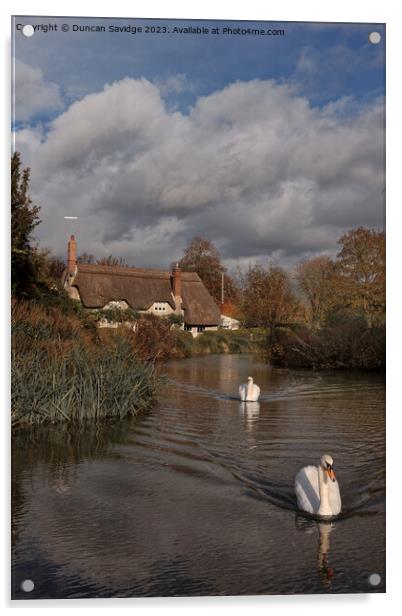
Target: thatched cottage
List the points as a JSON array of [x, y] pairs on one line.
[[149, 291]]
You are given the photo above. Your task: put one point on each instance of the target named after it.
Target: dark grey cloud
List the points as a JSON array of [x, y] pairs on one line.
[[253, 167]]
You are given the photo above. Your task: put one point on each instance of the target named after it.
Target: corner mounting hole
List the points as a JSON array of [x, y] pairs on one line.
[[374, 579], [28, 30], [374, 38], [27, 585]]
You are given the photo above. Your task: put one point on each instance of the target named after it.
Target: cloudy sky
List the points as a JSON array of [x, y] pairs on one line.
[[269, 146]]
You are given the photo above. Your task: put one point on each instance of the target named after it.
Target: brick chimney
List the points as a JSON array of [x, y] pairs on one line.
[[72, 255], [176, 281]]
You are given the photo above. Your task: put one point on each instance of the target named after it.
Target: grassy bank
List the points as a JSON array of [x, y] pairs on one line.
[[65, 370]]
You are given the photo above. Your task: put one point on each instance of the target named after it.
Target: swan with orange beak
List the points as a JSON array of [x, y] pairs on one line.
[[317, 489], [328, 467]]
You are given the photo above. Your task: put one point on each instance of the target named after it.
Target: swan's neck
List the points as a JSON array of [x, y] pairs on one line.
[[325, 507], [249, 390]]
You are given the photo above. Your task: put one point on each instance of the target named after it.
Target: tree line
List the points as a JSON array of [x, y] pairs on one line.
[[270, 296], [317, 288]]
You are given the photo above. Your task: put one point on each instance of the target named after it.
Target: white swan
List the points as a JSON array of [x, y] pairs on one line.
[[317, 489], [249, 392]]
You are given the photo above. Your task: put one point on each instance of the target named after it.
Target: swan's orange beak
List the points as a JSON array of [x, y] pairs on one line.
[[331, 473]]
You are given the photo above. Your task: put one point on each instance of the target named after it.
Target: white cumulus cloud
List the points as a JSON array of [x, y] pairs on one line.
[[253, 167], [32, 93]]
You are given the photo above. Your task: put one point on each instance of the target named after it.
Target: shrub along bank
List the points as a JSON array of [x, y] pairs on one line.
[[65, 368], [346, 344]]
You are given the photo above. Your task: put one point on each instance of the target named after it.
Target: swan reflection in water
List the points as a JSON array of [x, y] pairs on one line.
[[325, 529], [250, 411]]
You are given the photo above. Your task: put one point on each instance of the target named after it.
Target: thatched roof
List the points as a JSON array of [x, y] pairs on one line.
[[199, 306], [99, 284]]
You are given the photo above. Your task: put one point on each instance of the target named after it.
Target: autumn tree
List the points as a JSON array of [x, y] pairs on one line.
[[361, 272], [268, 300], [203, 257], [26, 262], [315, 279]]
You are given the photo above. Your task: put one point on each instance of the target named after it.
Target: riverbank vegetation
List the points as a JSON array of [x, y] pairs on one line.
[[156, 338], [345, 344], [65, 370]]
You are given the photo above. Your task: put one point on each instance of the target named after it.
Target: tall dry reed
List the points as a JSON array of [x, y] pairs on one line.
[[63, 372]]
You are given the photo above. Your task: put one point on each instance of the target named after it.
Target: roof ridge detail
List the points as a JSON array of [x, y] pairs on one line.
[[88, 268]]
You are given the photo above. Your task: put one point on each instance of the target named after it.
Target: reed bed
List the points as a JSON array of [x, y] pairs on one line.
[[60, 372], [78, 387]]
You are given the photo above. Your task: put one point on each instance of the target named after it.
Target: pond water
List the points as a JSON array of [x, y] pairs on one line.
[[196, 497]]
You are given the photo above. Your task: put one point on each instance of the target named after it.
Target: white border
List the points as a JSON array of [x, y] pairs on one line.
[[296, 10]]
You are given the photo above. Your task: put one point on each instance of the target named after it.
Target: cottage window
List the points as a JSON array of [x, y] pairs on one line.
[[200, 328]]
